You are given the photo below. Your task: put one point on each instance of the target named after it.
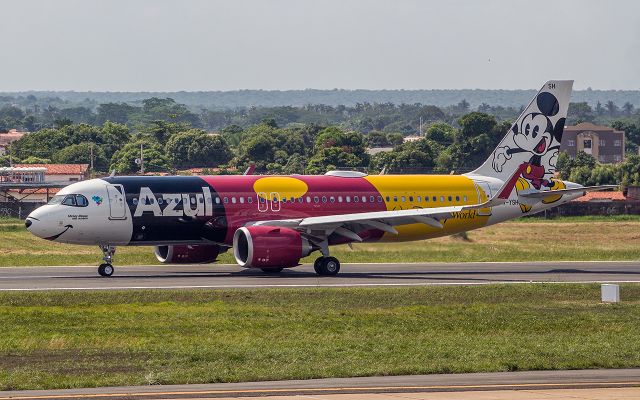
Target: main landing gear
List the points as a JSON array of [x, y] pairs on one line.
[[106, 269], [326, 266]]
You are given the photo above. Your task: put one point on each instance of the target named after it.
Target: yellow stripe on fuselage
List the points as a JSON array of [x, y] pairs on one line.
[[448, 190]]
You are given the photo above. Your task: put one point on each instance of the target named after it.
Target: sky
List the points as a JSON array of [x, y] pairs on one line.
[[193, 45]]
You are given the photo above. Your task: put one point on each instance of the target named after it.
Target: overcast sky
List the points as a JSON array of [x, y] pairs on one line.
[[158, 45]]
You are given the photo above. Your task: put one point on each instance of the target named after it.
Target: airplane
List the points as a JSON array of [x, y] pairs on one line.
[[272, 222]]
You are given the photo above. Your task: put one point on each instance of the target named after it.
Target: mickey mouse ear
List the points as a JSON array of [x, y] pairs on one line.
[[547, 104]]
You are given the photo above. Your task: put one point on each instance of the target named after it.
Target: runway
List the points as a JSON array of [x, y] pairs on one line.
[[352, 275], [578, 384]]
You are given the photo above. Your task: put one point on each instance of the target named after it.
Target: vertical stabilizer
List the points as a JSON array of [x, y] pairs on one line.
[[533, 142]]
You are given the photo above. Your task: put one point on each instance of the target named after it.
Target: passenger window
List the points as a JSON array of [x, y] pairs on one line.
[[435, 198], [356, 199], [395, 198], [332, 199], [300, 200], [426, 198], [457, 198], [178, 200], [249, 199], [404, 199], [241, 200], [316, 199], [151, 200], [308, 199], [284, 199], [339, 199], [233, 200], [379, 199], [372, 199], [348, 199], [364, 199], [226, 200], [159, 200], [217, 200], [442, 199], [193, 200], [201, 200], [411, 198], [419, 198], [465, 198], [135, 201], [388, 198], [324, 199]]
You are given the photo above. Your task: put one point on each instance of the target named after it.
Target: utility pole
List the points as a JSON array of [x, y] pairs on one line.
[[420, 134], [141, 159], [91, 156]]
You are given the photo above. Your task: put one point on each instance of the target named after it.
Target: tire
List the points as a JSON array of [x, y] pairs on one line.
[[329, 266], [105, 270], [317, 265], [272, 270]]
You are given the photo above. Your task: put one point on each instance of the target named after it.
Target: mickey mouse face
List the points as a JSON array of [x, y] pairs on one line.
[[534, 134]]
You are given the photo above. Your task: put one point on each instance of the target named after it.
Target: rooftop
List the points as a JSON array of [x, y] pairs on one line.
[[588, 126], [602, 196], [59, 169]]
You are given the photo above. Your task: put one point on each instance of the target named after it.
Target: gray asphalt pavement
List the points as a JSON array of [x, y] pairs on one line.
[[503, 381], [231, 276]]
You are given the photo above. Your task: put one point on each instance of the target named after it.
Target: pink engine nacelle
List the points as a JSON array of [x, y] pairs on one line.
[[187, 254], [269, 247]]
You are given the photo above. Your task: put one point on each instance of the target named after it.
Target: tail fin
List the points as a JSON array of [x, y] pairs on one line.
[[533, 142]]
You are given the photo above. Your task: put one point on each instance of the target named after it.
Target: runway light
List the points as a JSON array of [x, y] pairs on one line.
[[610, 293]]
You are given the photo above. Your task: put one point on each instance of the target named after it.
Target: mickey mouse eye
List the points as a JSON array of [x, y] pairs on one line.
[[536, 129], [526, 129]]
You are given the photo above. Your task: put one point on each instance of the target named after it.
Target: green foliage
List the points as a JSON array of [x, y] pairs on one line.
[[441, 133], [336, 149], [123, 160], [81, 154], [409, 157], [196, 148], [36, 160]]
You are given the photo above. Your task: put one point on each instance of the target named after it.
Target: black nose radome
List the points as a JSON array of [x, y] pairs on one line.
[[27, 223]]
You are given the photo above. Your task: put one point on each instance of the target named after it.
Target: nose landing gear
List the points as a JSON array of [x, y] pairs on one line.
[[106, 269]]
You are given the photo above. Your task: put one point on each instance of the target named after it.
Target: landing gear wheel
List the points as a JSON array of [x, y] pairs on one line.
[[327, 266], [105, 269], [272, 270]]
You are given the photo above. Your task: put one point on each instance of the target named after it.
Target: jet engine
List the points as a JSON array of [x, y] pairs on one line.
[[269, 247], [187, 254]]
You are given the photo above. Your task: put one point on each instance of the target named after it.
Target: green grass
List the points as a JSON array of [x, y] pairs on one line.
[[81, 339], [568, 239]]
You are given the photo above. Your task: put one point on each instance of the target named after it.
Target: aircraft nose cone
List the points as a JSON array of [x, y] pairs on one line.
[[28, 223]]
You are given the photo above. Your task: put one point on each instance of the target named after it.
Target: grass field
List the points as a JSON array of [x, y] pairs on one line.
[[578, 238], [81, 339]]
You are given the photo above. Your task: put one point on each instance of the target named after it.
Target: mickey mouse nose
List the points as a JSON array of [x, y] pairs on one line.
[[27, 223]]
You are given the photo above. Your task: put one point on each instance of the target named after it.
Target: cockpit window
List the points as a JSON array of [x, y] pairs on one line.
[[73, 200], [81, 201], [57, 199]]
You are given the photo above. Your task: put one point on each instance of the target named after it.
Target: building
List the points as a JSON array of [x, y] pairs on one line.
[[67, 173], [7, 138], [605, 144]]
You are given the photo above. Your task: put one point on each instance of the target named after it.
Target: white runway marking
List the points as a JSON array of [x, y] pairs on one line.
[[320, 285]]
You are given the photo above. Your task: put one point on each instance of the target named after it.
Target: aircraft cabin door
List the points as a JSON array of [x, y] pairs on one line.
[[275, 201], [117, 203], [262, 202], [484, 194]]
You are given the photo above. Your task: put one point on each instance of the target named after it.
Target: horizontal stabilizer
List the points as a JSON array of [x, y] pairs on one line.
[[547, 193]]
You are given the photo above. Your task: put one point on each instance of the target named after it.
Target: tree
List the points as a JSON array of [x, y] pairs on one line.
[[196, 148], [441, 133], [43, 144], [580, 112], [81, 154], [123, 160], [113, 136], [160, 131], [612, 108]]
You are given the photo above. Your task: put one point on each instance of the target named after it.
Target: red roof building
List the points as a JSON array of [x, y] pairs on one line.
[[61, 172]]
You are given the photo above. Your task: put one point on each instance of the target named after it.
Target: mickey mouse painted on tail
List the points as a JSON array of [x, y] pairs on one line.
[[534, 142], [535, 134]]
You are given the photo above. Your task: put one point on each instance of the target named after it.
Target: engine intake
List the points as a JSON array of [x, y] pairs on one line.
[[269, 247], [187, 254]]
